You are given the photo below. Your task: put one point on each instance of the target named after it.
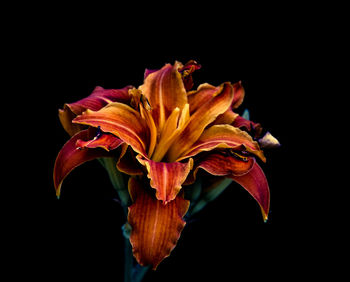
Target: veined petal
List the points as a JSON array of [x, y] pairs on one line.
[[127, 162], [239, 94], [122, 121], [174, 125], [156, 228], [106, 141], [70, 157], [166, 178], [152, 129], [224, 136], [203, 116], [219, 165], [200, 96], [227, 117], [256, 184], [99, 98], [165, 91], [253, 128], [187, 71]]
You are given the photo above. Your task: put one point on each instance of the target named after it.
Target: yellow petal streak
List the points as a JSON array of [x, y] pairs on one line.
[[152, 129], [171, 130], [203, 116], [165, 91]]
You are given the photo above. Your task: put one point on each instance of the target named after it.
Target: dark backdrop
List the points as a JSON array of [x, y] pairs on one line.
[[80, 235]]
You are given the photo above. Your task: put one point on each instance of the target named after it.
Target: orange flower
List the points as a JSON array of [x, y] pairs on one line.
[[162, 134]]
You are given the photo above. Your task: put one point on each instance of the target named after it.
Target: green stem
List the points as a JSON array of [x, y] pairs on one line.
[[132, 273], [117, 179], [211, 195], [128, 261]]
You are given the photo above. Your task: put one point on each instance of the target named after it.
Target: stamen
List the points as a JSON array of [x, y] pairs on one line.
[[98, 133], [238, 156], [145, 102], [86, 143]]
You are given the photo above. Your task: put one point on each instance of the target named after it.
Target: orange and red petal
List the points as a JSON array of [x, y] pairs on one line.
[[224, 136], [255, 183], [99, 98], [253, 128], [165, 91], [105, 141], [186, 72], [206, 113], [122, 121], [156, 228], [166, 178], [239, 93], [220, 165], [127, 162], [71, 157], [204, 93]]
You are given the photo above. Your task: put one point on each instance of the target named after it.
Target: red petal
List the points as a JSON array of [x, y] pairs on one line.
[[256, 184], [156, 228], [253, 128], [104, 140], [70, 157], [166, 178], [122, 121], [187, 71], [224, 136], [238, 97], [99, 98], [127, 162], [220, 165]]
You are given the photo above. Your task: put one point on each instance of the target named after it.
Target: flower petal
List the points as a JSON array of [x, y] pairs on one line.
[[166, 178], [224, 136], [127, 162], [227, 117], [256, 184], [70, 157], [204, 115], [203, 93], [122, 121], [165, 91], [239, 93], [106, 141], [99, 98], [187, 71], [156, 228], [220, 165], [174, 125], [253, 128]]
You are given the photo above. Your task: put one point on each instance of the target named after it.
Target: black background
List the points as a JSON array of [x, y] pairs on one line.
[[80, 234]]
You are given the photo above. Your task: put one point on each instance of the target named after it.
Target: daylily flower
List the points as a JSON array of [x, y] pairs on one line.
[[164, 136]]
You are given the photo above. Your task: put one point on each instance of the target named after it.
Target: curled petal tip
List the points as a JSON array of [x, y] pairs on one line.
[[265, 215], [256, 184]]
